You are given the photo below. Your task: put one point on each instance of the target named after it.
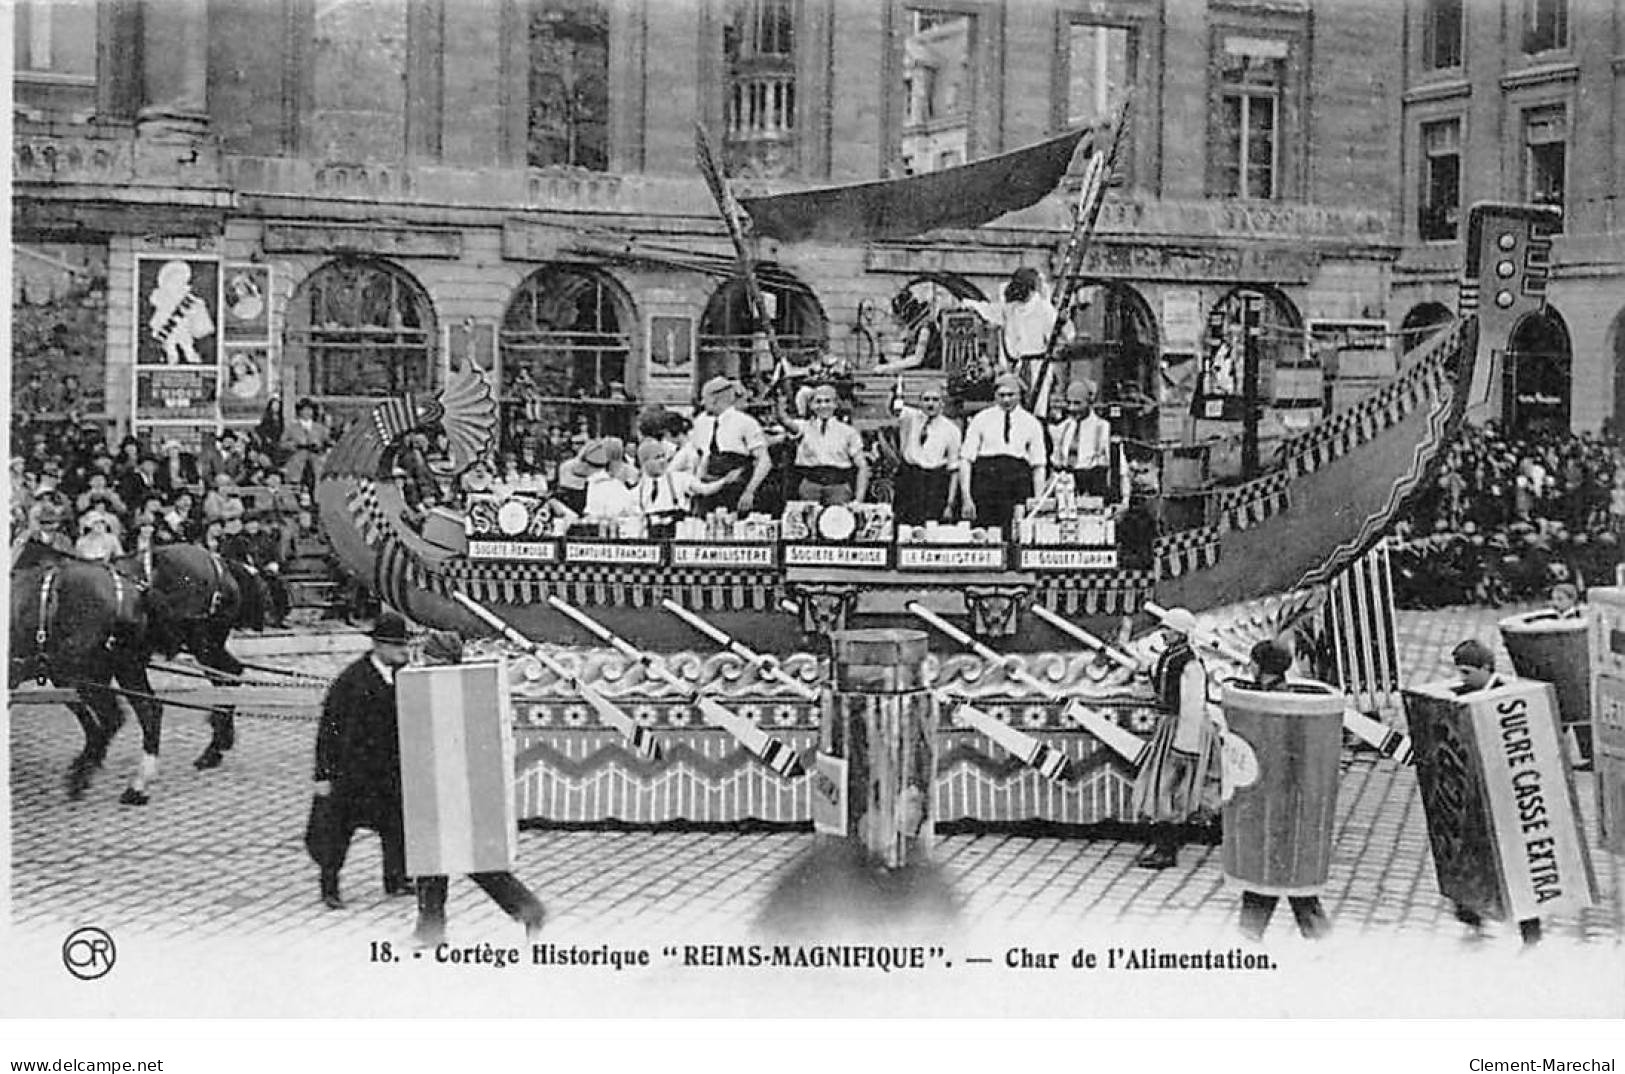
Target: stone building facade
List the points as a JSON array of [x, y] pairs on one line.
[[362, 192], [1523, 101]]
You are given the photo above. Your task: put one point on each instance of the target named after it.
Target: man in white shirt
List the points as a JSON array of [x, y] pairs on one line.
[[830, 461], [663, 494], [929, 444], [607, 493], [728, 440], [1027, 318], [1083, 444], [1002, 460]]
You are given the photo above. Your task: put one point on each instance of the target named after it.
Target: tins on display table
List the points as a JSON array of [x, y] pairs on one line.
[[457, 778], [1501, 808], [1281, 759]]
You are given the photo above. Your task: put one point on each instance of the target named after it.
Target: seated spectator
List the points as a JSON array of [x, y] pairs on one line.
[[281, 502], [223, 492], [97, 537], [99, 495], [145, 480]]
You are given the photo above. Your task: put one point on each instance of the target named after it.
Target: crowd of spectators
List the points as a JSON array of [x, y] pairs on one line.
[[247, 494], [1508, 517]]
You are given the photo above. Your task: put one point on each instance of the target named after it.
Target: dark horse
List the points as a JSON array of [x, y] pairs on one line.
[[83, 624]]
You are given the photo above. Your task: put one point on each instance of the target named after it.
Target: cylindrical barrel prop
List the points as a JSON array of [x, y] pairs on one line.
[[1557, 651], [1280, 784], [1502, 815], [1608, 712], [877, 756]]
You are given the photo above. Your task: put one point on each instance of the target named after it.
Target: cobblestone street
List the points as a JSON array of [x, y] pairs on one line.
[[220, 855]]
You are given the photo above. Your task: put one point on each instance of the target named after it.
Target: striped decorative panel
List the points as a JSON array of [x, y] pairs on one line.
[[457, 762], [1359, 619], [704, 777]]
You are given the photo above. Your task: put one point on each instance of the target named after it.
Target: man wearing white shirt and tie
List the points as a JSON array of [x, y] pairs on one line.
[[728, 441], [830, 460], [1002, 461], [1083, 444], [929, 444]]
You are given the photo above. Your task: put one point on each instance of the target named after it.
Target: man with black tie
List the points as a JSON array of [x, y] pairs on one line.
[[1002, 461], [728, 441], [1083, 444], [929, 444]]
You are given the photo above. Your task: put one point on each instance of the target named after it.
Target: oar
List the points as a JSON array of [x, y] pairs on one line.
[[1072, 630], [642, 739], [1049, 761], [765, 664], [1386, 740], [777, 755]]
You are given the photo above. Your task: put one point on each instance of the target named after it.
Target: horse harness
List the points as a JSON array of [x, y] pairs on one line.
[[49, 599]]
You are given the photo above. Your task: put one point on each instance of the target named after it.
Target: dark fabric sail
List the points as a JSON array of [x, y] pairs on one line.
[[896, 208]]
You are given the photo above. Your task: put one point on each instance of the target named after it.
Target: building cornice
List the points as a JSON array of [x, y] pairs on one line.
[[1438, 91], [1544, 75]]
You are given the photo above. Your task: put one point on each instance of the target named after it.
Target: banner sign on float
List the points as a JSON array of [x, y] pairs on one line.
[[1501, 808]]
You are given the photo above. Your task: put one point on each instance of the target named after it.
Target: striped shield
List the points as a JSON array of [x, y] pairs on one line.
[[457, 758]]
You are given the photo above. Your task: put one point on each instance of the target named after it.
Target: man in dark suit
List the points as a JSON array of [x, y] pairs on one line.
[[358, 764]]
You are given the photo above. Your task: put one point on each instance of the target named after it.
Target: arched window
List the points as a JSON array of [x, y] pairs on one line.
[[1420, 324], [566, 355], [358, 329], [1117, 340], [729, 345], [1539, 362], [1279, 341]]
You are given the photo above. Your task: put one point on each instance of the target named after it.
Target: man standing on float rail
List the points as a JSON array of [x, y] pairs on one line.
[[1002, 461]]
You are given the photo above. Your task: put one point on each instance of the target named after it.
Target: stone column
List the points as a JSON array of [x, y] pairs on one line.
[[175, 68]]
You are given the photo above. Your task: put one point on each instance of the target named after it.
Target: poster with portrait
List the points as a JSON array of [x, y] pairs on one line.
[[245, 297], [177, 316], [245, 382]]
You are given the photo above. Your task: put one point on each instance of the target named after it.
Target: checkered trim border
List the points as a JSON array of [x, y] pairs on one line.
[[1119, 593], [598, 585], [1186, 551], [1426, 379]]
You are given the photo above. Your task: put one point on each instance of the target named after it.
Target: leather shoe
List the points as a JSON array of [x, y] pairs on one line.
[[1158, 857], [534, 923], [399, 887], [331, 900]]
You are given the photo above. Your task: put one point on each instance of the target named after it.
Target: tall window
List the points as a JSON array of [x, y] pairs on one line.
[[565, 347], [1252, 74], [1545, 140], [1546, 25], [1441, 34], [54, 55], [1441, 180], [759, 49], [366, 330], [1099, 69], [569, 84], [937, 83]]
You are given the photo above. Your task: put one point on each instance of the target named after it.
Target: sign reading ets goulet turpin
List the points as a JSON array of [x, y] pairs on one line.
[[1500, 803]]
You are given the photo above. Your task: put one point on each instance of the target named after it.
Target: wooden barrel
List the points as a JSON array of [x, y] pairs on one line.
[[1503, 820], [877, 759], [1557, 651], [1280, 783]]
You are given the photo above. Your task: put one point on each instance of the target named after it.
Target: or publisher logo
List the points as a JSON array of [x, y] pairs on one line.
[[89, 953]]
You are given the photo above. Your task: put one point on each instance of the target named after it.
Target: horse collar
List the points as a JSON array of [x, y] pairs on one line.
[[215, 595]]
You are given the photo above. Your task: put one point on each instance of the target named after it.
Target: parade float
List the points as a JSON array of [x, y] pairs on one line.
[[677, 679]]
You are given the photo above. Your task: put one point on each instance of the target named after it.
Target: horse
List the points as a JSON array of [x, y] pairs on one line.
[[82, 624]]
